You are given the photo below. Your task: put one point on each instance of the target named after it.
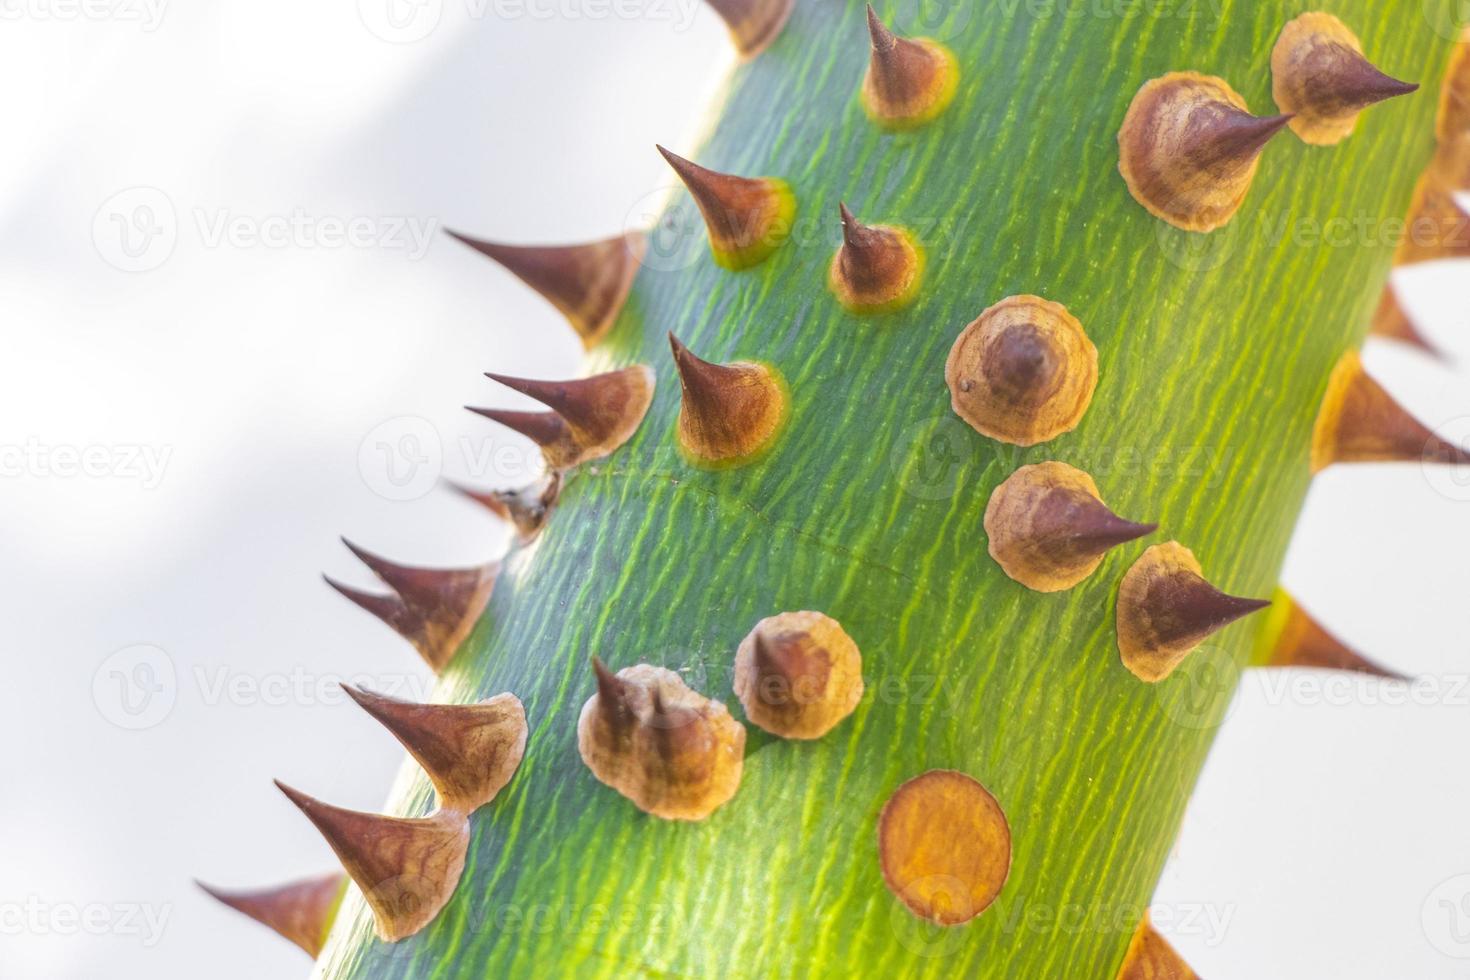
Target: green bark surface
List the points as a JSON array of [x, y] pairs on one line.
[[1214, 352]]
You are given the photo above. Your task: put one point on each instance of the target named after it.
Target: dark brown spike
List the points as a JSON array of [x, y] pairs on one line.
[[1189, 149], [682, 757], [753, 24], [468, 751], [588, 283], [1150, 957], [407, 868], [1390, 321], [439, 605], [491, 500], [1301, 641], [1359, 422], [877, 268], [1166, 608], [1321, 78], [909, 82], [798, 674], [1049, 529], [748, 218], [528, 507], [547, 430], [1438, 225], [602, 411], [301, 911], [614, 704], [729, 413]]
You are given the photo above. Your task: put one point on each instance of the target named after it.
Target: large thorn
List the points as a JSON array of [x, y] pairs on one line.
[[1188, 149], [301, 911], [468, 751], [877, 269], [1320, 76], [588, 283], [729, 413], [1438, 225], [1150, 957], [1390, 321], [1049, 529], [407, 868], [435, 608], [528, 507], [1166, 608], [1359, 422], [747, 217], [1301, 641], [753, 24], [548, 430], [614, 705], [600, 413], [909, 82]]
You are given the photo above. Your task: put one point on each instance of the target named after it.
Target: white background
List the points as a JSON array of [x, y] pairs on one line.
[[1322, 837]]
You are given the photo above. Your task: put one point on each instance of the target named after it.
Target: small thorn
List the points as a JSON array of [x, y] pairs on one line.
[[528, 507], [748, 218], [798, 674], [1048, 528], [613, 701], [1188, 149], [407, 868], [301, 911], [1022, 372], [1390, 321], [588, 283], [1166, 608], [602, 411], [489, 499], [546, 429], [753, 24], [909, 82], [877, 269], [1301, 641], [1319, 74], [1150, 957], [729, 413], [389, 608], [1359, 422], [468, 751]]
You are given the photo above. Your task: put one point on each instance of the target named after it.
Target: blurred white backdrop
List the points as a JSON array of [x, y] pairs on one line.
[[222, 286]]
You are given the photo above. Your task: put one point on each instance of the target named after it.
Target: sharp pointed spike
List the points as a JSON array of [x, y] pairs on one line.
[[1390, 321], [588, 283], [1048, 528], [1189, 149], [729, 413], [877, 269], [603, 411], [753, 24], [468, 751], [1319, 75], [391, 609], [1301, 641], [301, 911], [1150, 957], [1166, 608], [748, 218], [407, 868], [489, 499], [1438, 225], [546, 429], [909, 82], [1359, 422]]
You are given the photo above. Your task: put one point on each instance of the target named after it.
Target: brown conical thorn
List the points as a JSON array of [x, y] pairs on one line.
[[1166, 608], [1390, 321], [748, 217], [1320, 77], [1150, 957], [588, 283], [877, 268], [1022, 372], [407, 868], [440, 605], [548, 430], [909, 82], [944, 846], [1438, 224], [301, 911], [1453, 123], [1359, 422], [391, 609], [729, 413], [682, 757], [468, 751], [753, 24], [798, 674], [601, 412], [528, 507], [1188, 149], [1295, 639], [1049, 529]]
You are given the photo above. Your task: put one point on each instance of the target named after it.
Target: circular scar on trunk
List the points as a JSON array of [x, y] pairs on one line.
[[798, 674], [1023, 372], [944, 846]]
